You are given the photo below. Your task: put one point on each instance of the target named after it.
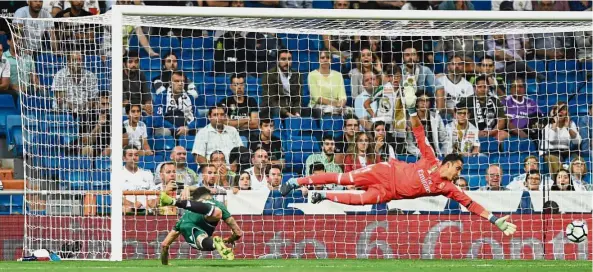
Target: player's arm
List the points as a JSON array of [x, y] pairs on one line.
[[417, 128], [237, 232], [171, 237], [453, 192]]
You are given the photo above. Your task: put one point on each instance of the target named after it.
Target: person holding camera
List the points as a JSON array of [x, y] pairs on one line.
[[559, 135]]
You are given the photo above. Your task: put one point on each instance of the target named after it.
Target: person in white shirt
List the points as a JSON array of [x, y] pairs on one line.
[[559, 135], [462, 134], [259, 160], [369, 84], [215, 136], [450, 88], [579, 175], [4, 72], [518, 183], [136, 179], [135, 133], [33, 30]]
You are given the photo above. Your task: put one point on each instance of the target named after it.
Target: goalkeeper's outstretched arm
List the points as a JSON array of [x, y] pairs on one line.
[[237, 232], [171, 237]]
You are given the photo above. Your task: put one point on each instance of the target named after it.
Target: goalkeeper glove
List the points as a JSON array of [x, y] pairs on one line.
[[501, 223], [409, 88]]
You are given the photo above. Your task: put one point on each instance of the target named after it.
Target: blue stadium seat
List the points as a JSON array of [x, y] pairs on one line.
[[580, 104], [13, 123], [482, 5], [75, 180], [323, 4], [512, 163], [407, 158], [187, 142], [7, 107], [295, 161], [516, 144], [197, 43], [162, 143], [475, 165], [475, 181], [12, 204], [151, 64], [562, 70], [102, 163], [297, 126], [333, 125], [101, 180], [302, 143], [488, 145]]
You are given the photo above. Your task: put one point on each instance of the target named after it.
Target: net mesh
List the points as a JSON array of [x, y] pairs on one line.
[[65, 72]]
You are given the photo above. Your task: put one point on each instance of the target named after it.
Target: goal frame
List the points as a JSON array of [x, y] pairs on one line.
[[118, 13]]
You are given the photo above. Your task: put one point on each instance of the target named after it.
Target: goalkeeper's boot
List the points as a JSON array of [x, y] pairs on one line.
[[288, 186], [409, 86], [166, 200], [317, 197], [225, 252]]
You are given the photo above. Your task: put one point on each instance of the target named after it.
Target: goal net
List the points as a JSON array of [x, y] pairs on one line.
[[310, 91]]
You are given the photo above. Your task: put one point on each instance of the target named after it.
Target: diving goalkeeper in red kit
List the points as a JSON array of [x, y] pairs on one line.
[[395, 180]]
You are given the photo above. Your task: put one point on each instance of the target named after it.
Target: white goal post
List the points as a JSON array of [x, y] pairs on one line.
[[334, 23]]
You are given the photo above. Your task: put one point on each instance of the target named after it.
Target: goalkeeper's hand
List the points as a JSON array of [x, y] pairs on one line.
[[507, 228], [230, 242]]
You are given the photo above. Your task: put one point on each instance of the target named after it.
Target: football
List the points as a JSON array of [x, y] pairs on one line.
[[576, 231]]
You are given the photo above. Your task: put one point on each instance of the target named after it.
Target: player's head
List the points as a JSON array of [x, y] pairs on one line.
[[317, 168], [131, 156], [168, 172], [134, 112], [329, 145], [275, 175], [201, 193], [451, 166], [533, 180], [210, 176]]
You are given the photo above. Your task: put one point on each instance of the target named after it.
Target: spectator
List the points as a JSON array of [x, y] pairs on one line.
[[351, 127], [533, 181], [282, 89], [388, 105], [74, 87], [521, 111], [462, 134], [369, 86], [297, 4], [162, 82], [242, 110], [57, 6], [5, 70], [487, 113], [530, 163], [239, 159], [509, 53], [579, 176], [360, 154], [456, 5], [242, 182], [176, 110], [33, 31], [214, 3], [391, 4], [259, 181], [468, 48], [417, 5], [274, 177], [452, 87], [558, 137], [341, 46], [136, 134], [215, 136], [365, 62], [136, 179], [493, 179], [516, 5], [495, 82], [384, 150], [261, 52], [563, 181], [25, 78], [550, 5], [326, 86], [434, 128], [218, 160], [183, 174], [95, 129], [211, 179], [317, 168], [230, 53], [75, 35], [135, 88], [584, 41], [580, 5], [423, 76], [461, 182], [326, 157], [266, 140]]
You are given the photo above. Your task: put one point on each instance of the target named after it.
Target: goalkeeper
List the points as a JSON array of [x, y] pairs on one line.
[[198, 224], [394, 180]]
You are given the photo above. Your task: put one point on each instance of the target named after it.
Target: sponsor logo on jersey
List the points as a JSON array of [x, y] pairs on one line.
[[425, 182]]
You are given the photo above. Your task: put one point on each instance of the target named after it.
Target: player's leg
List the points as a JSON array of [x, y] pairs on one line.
[[371, 196], [200, 240], [194, 206], [346, 179]]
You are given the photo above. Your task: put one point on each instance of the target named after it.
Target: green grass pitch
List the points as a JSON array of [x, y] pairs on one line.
[[303, 265]]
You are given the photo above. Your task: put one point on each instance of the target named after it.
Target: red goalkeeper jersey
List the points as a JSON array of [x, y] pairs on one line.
[[414, 180]]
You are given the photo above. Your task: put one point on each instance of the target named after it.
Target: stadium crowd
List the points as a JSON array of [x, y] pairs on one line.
[[244, 110]]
